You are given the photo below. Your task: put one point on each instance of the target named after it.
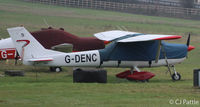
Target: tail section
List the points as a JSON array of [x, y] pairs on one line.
[[27, 46]]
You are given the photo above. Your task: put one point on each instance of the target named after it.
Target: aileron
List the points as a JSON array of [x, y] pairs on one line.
[[125, 36]]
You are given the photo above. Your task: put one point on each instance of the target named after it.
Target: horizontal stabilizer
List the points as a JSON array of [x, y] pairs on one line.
[[40, 60]]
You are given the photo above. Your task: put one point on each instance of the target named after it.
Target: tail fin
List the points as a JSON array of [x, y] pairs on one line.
[[27, 46]]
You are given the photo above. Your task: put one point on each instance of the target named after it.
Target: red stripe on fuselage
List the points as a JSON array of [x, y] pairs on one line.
[[43, 60]]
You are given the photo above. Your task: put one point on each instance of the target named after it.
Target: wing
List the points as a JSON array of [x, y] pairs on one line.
[[112, 35], [124, 36], [149, 37]]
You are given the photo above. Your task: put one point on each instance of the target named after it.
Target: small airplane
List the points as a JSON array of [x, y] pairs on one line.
[[126, 49], [7, 50], [55, 39]]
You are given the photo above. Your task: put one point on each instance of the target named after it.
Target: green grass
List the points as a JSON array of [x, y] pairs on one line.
[[58, 89]]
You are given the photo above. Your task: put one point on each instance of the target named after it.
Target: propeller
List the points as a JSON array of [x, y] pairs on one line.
[[188, 40], [188, 45]]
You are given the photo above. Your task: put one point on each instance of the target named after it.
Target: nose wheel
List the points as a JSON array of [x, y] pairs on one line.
[[175, 76]]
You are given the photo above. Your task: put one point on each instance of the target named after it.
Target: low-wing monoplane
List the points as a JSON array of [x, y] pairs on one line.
[[127, 49], [55, 39]]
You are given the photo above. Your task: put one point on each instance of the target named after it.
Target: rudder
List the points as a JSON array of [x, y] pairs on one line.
[[26, 45]]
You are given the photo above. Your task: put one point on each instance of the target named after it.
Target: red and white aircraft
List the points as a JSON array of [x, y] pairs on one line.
[[7, 50], [127, 49]]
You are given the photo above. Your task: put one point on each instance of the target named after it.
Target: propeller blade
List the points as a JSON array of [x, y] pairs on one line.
[[188, 43], [158, 52], [188, 40]]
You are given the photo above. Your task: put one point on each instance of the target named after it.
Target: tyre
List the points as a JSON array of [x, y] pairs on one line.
[[176, 77], [55, 69], [90, 76], [14, 73], [58, 69]]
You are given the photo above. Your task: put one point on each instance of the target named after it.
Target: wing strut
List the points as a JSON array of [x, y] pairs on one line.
[[158, 51], [168, 66]]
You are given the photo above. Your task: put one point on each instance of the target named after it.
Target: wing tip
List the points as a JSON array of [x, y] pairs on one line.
[[169, 37]]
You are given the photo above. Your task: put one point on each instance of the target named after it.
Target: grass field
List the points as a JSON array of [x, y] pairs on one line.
[[58, 89]]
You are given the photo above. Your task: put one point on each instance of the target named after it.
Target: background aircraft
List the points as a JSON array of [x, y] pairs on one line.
[[127, 49], [56, 39]]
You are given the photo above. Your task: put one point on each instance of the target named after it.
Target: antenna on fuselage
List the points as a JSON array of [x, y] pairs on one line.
[[45, 22], [118, 27], [123, 28]]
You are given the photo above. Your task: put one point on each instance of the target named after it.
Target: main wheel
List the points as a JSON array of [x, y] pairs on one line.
[[176, 77], [55, 69], [58, 69]]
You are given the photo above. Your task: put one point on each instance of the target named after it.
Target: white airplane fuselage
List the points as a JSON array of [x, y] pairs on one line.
[[92, 59]]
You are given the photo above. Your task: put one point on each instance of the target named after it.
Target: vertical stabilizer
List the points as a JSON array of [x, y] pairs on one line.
[[26, 45]]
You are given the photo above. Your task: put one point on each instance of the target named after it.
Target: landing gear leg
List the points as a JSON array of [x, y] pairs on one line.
[[138, 70], [132, 70], [175, 76]]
